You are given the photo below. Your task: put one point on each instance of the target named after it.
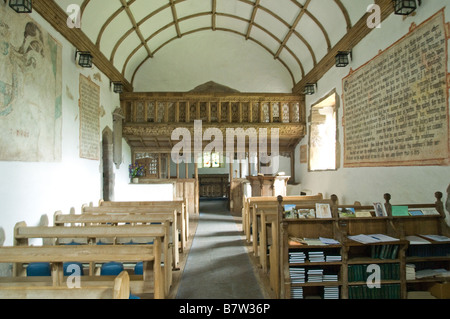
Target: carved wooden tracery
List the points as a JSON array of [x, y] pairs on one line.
[[150, 118]]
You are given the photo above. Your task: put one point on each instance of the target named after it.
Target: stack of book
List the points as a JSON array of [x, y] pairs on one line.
[[315, 275], [297, 275], [316, 256], [330, 278], [333, 258], [296, 292], [410, 272], [297, 257], [331, 293]]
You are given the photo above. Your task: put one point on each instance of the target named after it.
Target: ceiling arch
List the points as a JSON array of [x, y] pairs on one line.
[[297, 33]]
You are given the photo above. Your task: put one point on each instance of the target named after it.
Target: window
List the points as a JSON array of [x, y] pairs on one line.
[[323, 129], [211, 160]]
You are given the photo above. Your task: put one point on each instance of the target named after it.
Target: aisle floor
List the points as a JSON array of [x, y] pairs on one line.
[[218, 265]]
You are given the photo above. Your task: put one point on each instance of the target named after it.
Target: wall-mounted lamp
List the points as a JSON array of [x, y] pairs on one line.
[[85, 59], [405, 7], [21, 6], [118, 87], [310, 89], [343, 58]]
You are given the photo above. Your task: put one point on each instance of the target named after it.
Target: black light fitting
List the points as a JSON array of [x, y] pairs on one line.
[[21, 6], [310, 89], [85, 59], [405, 7], [118, 87], [343, 58]]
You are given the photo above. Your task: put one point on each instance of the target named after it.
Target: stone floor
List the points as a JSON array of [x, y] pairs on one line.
[[218, 263]]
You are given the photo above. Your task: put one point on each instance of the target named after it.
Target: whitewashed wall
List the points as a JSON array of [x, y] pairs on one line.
[[405, 184], [32, 192]]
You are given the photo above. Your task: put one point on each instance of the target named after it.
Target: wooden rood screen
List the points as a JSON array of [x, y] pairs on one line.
[[151, 118], [212, 108]]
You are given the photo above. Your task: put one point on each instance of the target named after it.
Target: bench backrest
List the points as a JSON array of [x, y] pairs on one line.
[[22, 232], [59, 219], [82, 253], [119, 289]]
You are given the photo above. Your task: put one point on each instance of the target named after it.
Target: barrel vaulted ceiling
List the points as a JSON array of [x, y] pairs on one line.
[[299, 34]]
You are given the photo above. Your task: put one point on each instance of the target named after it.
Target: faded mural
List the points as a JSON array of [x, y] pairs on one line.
[[30, 90]]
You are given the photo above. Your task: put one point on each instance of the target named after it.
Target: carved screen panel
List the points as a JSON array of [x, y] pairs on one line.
[[182, 112], [161, 112], [285, 111], [214, 112], [171, 109], [266, 112], [276, 112], [295, 113], [203, 111], [193, 111], [140, 112], [245, 113], [151, 111], [255, 112], [224, 111], [235, 112]]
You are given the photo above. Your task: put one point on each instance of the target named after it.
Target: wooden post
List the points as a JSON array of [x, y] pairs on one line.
[[169, 163], [292, 156], [178, 168], [197, 186]]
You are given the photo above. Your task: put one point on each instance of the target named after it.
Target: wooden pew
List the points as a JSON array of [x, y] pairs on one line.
[[112, 218], [119, 288], [267, 205], [160, 247], [150, 255], [161, 206], [271, 218], [248, 217]]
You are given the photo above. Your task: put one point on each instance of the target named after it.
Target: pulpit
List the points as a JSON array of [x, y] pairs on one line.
[[268, 185]]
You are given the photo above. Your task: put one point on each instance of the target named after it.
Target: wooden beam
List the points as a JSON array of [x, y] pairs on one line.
[[175, 18], [214, 11], [358, 32], [57, 18], [136, 29], [292, 29], [252, 20]]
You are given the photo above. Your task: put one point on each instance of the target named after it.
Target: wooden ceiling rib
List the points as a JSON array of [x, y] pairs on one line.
[[281, 31], [136, 29], [353, 36], [57, 18], [251, 23]]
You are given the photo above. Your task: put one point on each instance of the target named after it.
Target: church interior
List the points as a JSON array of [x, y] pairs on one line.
[[226, 149]]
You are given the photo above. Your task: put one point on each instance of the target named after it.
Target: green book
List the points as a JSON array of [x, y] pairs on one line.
[[394, 252], [400, 211]]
